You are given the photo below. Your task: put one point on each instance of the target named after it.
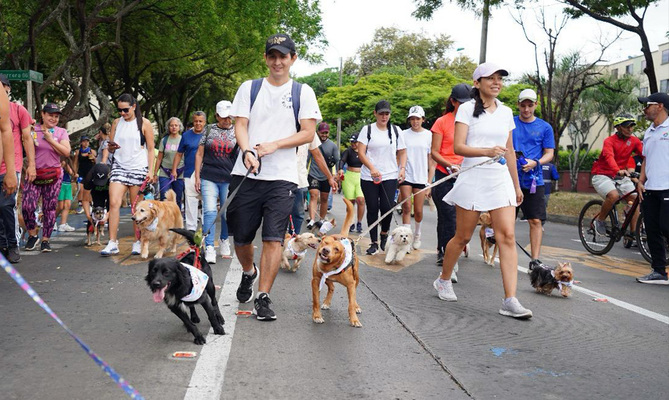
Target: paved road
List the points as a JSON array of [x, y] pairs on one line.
[[412, 345]]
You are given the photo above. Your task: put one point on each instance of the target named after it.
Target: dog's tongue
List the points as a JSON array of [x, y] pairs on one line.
[[159, 295]]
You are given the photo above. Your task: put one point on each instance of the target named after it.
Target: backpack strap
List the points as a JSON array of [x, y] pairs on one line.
[[369, 134], [165, 142], [255, 89], [295, 93]]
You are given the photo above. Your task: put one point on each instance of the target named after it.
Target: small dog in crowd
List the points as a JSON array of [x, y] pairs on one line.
[[545, 279], [154, 219], [180, 285], [487, 236], [336, 261], [97, 227], [295, 248], [322, 227], [399, 244]]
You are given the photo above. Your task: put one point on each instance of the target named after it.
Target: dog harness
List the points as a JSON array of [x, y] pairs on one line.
[[295, 254], [348, 261], [560, 283], [199, 280]]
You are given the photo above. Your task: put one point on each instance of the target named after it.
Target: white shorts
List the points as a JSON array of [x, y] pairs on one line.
[[604, 185]]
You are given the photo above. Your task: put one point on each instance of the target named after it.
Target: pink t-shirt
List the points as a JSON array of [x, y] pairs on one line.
[[45, 155], [20, 119]]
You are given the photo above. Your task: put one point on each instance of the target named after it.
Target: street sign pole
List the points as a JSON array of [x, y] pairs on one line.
[[29, 76]]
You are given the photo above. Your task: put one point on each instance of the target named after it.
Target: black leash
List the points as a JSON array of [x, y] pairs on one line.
[[524, 251]]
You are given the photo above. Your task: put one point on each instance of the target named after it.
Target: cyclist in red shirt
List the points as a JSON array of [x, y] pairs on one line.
[[612, 162]]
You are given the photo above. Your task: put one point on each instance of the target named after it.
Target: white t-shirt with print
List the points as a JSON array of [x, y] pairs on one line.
[[380, 152], [272, 119], [419, 145]]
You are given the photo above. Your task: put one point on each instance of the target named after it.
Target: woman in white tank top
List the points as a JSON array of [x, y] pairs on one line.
[[131, 141]]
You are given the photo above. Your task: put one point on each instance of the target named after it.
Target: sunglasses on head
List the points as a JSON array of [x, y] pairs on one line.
[[123, 110]]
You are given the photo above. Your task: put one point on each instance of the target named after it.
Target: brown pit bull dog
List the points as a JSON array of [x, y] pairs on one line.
[[336, 261]]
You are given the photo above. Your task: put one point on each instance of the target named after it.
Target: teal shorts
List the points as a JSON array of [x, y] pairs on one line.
[[65, 192]]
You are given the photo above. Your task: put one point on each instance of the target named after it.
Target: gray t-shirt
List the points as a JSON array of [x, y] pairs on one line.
[[331, 155]]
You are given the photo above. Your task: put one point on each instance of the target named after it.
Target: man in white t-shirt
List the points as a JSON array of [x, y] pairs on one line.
[[266, 130]]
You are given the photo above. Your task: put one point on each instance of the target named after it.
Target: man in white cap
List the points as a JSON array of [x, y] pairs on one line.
[[214, 160], [534, 143]]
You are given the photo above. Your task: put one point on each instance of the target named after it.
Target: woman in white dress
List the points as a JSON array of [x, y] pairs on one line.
[[483, 129]]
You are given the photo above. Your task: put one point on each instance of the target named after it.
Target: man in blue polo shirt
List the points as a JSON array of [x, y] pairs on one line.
[[533, 137], [190, 140]]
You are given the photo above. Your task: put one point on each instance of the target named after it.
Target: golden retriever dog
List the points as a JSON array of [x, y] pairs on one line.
[[336, 261], [295, 248], [154, 219], [487, 236]]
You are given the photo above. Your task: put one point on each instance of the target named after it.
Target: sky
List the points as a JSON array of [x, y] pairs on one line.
[[348, 24]]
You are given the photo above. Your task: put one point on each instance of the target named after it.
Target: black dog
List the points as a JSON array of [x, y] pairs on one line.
[[176, 285]]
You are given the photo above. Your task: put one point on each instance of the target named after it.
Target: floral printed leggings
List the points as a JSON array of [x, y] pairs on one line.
[[49, 194]]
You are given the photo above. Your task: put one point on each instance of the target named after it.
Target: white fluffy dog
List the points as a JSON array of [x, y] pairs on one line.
[[399, 243]]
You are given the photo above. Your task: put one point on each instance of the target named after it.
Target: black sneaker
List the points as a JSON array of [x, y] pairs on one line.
[[45, 247], [13, 255], [31, 244], [352, 228], [440, 258], [536, 263], [262, 310], [373, 249], [245, 289], [384, 239], [358, 227]]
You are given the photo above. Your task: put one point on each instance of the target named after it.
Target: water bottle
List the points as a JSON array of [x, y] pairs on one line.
[[502, 160], [533, 186]]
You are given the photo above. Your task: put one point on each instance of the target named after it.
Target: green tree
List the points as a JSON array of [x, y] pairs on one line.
[[327, 78], [616, 13], [174, 55], [392, 47]]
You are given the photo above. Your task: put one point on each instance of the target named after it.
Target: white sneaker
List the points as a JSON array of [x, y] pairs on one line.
[[445, 290], [224, 248], [511, 307], [416, 242], [454, 275], [136, 248], [65, 228], [110, 249], [210, 254]]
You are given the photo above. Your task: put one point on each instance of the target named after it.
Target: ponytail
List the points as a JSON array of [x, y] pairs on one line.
[[478, 106]]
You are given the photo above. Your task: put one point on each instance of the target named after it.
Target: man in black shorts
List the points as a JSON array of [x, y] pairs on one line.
[[534, 143], [319, 186], [266, 130]]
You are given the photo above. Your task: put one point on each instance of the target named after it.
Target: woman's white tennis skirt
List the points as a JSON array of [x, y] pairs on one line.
[[483, 189], [128, 177]]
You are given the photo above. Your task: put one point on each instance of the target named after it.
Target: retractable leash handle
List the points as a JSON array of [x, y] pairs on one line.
[[499, 158]]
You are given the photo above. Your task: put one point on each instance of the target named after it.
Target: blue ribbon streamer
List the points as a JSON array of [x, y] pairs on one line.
[[122, 383]]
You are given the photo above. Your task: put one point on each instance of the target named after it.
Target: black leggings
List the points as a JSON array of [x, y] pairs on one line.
[[381, 196]]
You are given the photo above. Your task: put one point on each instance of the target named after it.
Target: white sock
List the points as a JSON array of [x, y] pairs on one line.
[[417, 229]]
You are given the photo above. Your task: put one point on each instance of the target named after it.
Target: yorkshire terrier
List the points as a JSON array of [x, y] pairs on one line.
[[97, 227], [545, 279]]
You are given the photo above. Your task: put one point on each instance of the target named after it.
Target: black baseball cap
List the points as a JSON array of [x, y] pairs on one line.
[[461, 92], [100, 174], [658, 97], [354, 138], [5, 80], [84, 138], [51, 108], [280, 42], [382, 106]]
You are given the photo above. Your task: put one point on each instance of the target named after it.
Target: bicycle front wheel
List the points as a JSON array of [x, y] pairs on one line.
[[594, 242], [642, 239]]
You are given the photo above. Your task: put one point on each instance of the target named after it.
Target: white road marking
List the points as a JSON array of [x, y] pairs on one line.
[[631, 307], [209, 374], [60, 238]]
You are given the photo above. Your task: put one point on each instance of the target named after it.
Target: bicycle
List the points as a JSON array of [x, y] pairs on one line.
[[599, 244]]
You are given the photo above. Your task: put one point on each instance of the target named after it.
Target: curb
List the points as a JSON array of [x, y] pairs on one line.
[[562, 219]]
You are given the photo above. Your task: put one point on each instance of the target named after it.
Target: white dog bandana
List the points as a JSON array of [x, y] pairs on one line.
[[295, 254], [153, 226], [199, 280], [347, 261]]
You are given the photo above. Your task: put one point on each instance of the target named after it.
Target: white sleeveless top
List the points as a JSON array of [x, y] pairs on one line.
[[131, 155]]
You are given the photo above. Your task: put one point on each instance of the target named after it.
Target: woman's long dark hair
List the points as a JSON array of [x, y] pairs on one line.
[[478, 106], [130, 99], [449, 106]]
